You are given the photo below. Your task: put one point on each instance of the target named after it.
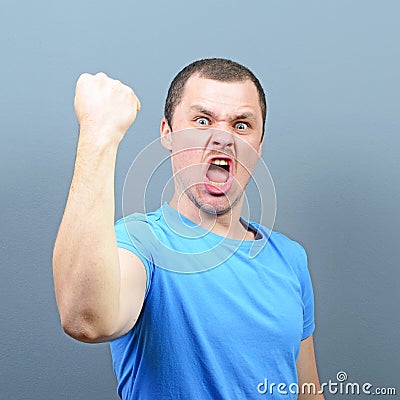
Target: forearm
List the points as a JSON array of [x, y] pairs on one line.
[[85, 259], [309, 386]]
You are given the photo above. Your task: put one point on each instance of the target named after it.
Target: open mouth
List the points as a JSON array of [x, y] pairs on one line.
[[218, 178]]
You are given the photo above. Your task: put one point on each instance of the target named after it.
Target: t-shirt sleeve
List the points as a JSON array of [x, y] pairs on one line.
[[307, 295], [128, 236]]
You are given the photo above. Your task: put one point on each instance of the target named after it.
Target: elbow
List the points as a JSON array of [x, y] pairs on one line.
[[84, 330], [79, 333]]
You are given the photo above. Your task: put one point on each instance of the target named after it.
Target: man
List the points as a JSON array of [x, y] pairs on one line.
[[176, 334]]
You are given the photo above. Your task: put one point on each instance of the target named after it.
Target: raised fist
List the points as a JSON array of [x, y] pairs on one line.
[[105, 107]]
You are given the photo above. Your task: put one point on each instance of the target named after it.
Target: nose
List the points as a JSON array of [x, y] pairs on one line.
[[221, 139]]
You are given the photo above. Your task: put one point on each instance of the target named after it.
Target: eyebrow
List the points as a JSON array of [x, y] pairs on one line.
[[246, 115]]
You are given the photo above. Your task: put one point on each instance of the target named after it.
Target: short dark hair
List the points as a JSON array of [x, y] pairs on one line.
[[219, 69]]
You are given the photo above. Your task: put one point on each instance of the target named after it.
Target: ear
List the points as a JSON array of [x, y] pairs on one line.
[[260, 148], [166, 131], [259, 152]]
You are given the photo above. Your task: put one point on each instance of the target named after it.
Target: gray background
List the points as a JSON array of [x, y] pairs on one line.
[[331, 73]]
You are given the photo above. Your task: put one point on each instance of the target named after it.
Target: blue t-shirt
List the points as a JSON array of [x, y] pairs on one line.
[[220, 315]]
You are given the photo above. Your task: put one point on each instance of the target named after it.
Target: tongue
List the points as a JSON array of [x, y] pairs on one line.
[[217, 174]]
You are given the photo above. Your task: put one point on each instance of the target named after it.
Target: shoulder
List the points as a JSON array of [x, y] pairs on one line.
[[139, 218], [287, 248], [137, 222], [276, 238], [290, 244], [137, 230]]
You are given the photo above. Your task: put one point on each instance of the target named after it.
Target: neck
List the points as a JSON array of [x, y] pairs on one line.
[[227, 225]]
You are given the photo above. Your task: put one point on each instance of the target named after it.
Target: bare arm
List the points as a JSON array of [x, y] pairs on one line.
[[307, 372], [99, 288]]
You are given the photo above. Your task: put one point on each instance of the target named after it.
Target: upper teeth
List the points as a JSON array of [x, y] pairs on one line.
[[218, 161]]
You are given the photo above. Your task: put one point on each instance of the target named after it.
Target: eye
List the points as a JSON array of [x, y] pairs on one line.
[[241, 126], [203, 121]]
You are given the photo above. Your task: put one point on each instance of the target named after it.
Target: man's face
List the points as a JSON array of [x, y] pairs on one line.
[[215, 141]]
